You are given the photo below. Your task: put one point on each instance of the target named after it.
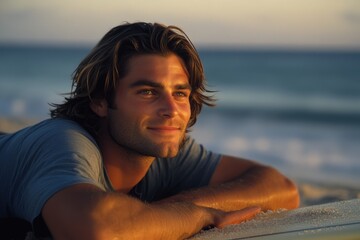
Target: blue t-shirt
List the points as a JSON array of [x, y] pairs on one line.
[[38, 161]]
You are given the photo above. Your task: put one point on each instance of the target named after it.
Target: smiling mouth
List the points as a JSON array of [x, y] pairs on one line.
[[165, 128]]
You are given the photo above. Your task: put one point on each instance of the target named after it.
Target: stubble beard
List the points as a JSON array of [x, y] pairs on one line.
[[144, 146]]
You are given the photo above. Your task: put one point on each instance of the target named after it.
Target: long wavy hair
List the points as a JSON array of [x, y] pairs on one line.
[[97, 76]]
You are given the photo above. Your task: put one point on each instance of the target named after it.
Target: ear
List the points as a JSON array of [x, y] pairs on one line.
[[99, 107]]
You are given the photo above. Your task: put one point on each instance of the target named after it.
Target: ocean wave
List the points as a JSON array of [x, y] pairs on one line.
[[287, 106], [292, 115]]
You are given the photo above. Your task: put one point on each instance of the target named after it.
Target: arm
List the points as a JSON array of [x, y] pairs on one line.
[[239, 183], [85, 212]]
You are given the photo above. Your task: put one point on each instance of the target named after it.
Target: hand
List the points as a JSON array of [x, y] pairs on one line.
[[223, 219]]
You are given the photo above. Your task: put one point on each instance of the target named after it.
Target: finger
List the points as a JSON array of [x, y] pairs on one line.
[[236, 217]]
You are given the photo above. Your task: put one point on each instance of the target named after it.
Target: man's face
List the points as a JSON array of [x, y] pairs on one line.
[[151, 106]]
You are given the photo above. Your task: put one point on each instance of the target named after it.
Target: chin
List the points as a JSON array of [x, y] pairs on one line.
[[169, 152], [165, 149]]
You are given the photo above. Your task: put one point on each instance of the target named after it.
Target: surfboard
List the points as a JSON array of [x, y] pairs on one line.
[[337, 220]]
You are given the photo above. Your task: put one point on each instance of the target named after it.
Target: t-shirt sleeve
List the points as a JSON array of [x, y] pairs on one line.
[[58, 158]]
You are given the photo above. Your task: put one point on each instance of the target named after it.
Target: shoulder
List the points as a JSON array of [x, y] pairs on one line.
[[43, 159], [53, 139], [60, 125], [59, 133], [60, 130]]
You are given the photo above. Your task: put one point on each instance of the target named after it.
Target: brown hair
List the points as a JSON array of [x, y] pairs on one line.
[[97, 75]]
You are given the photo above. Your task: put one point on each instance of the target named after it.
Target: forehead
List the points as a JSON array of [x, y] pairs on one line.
[[156, 66]]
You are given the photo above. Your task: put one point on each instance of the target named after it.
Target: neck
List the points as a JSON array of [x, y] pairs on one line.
[[125, 168]]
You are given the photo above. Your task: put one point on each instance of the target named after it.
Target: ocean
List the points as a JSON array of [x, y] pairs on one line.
[[298, 111]]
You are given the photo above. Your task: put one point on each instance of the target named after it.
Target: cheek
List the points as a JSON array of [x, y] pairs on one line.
[[186, 110]]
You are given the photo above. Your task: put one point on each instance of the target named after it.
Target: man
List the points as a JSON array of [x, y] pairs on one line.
[[115, 162]]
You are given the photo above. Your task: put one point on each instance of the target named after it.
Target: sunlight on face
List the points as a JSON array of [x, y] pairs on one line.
[[152, 107]]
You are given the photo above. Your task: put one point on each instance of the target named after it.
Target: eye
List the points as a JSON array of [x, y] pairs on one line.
[[181, 94], [146, 92]]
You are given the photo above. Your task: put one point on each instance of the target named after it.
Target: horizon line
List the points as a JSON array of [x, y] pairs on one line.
[[199, 46]]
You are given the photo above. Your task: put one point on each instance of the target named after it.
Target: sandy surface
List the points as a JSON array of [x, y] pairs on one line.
[[313, 193], [326, 221], [9, 125]]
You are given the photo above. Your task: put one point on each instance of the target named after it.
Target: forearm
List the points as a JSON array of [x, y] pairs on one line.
[[151, 221], [173, 220], [85, 212], [259, 186]]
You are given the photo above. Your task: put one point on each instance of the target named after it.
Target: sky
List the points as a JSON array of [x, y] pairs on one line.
[[328, 24]]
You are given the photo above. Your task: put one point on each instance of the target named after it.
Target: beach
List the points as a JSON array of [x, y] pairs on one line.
[[312, 192]]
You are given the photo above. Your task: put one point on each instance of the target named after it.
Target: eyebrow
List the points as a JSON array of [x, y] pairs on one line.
[[149, 83]]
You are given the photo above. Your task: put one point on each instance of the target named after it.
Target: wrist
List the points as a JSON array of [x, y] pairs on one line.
[[183, 215]]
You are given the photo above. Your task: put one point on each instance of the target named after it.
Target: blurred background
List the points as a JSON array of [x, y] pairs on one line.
[[287, 73]]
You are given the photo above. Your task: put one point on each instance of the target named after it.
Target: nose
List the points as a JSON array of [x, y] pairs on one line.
[[168, 107]]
